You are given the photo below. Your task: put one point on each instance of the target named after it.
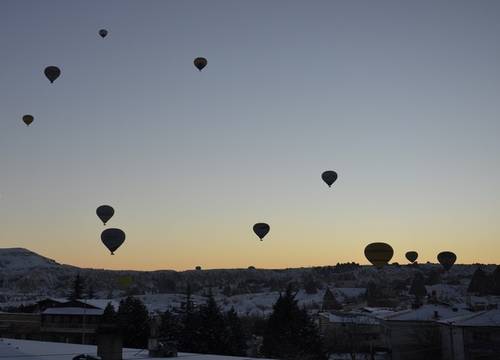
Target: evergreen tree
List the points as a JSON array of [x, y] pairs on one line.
[[189, 336], [212, 329], [109, 315], [133, 319], [108, 323], [417, 287], [495, 281], [433, 278], [171, 327], [290, 333], [372, 294], [330, 302], [479, 284], [235, 341], [90, 292], [77, 289]]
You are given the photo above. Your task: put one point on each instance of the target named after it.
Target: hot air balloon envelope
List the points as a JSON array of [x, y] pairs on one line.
[[329, 177], [261, 230], [379, 254], [103, 33], [52, 73], [28, 119], [447, 259], [112, 239], [411, 256], [105, 212], [200, 63]]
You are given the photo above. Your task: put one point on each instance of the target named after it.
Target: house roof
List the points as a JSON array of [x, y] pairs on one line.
[[72, 311], [428, 312], [378, 312], [482, 318], [350, 318], [42, 350]]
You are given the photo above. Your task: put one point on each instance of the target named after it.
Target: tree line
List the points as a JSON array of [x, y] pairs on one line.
[[288, 333]]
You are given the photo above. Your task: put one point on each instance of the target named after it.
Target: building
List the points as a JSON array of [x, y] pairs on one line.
[[39, 350], [54, 320], [351, 332], [414, 334], [20, 326], [474, 336], [70, 324]]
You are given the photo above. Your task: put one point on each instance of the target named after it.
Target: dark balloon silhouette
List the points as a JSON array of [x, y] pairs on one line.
[[329, 177], [379, 254], [447, 259], [112, 239], [200, 63], [105, 212], [28, 119], [411, 256], [103, 33], [261, 230], [198, 268], [52, 73]]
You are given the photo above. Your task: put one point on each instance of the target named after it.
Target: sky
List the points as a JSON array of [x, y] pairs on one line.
[[401, 98]]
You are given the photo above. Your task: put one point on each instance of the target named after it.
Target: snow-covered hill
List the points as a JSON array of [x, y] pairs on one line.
[[26, 277], [15, 259]]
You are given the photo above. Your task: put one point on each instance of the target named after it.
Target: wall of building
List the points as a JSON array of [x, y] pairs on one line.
[[452, 343], [412, 340], [481, 343], [20, 326]]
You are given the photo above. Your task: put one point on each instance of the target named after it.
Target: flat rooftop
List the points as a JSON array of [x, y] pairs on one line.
[[14, 349]]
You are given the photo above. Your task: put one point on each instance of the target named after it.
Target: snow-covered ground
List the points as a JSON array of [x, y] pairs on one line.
[[246, 304]]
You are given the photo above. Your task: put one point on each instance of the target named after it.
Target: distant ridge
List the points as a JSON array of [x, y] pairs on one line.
[[23, 259]]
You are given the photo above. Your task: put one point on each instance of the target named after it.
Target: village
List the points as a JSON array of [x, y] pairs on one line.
[[431, 314]]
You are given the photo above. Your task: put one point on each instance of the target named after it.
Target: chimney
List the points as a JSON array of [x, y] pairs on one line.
[[109, 343]]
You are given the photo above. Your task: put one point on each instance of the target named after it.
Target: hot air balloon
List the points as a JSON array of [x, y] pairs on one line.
[[329, 177], [52, 73], [200, 63], [261, 230], [447, 259], [411, 256], [103, 33], [379, 254], [105, 212], [112, 238], [28, 119]]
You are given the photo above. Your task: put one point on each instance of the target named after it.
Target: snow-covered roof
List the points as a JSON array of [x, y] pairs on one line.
[[380, 313], [101, 303], [350, 318], [482, 318], [40, 350], [484, 299], [428, 312], [72, 311]]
